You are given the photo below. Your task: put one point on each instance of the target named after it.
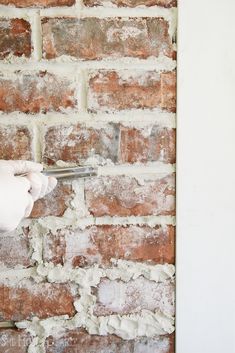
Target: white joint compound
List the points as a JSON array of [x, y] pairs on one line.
[[146, 323]]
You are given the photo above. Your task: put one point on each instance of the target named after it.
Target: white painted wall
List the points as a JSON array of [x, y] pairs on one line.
[[206, 177]]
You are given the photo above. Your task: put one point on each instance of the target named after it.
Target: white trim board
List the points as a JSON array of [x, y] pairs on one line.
[[205, 314]]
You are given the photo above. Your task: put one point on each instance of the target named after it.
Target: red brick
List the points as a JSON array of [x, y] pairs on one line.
[[15, 250], [132, 3], [94, 38], [29, 299], [78, 341], [16, 142], [117, 297], [99, 244], [14, 341], [37, 3], [112, 90], [168, 85], [15, 38], [76, 143], [149, 144], [36, 92], [54, 247], [125, 196], [55, 203]]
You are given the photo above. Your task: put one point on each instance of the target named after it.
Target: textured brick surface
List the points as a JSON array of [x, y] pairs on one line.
[[93, 38], [150, 144], [40, 3], [54, 204], [16, 142], [76, 143], [55, 249], [117, 297], [125, 196], [36, 92], [15, 37], [168, 87], [132, 3], [15, 250], [99, 244], [14, 341], [78, 341], [29, 299], [113, 90]]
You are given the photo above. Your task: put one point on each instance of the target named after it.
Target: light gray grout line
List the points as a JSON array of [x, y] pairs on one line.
[[96, 120], [136, 169], [38, 143], [107, 12], [135, 220], [79, 5], [69, 64], [83, 91], [36, 36], [81, 11]]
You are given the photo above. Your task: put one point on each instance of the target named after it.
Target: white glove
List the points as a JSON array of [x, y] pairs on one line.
[[18, 193]]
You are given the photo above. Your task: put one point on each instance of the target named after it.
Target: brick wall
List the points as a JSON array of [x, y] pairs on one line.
[[83, 83]]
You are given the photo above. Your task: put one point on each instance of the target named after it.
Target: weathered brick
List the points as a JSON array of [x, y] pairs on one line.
[[78, 341], [54, 247], [15, 250], [16, 142], [121, 90], [14, 341], [99, 244], [168, 87], [53, 204], [117, 297], [15, 37], [76, 143], [149, 144], [126, 196], [37, 3], [94, 38], [132, 3], [36, 92], [28, 299]]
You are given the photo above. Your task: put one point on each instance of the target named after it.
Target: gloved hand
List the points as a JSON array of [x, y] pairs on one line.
[[18, 193]]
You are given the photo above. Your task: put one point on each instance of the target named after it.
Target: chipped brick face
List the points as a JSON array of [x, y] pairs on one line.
[[93, 38], [72, 340], [108, 196], [114, 142], [35, 93], [111, 91], [16, 142], [152, 144], [29, 299], [37, 3], [54, 204], [91, 82], [77, 143], [15, 38], [101, 244], [132, 3], [15, 250], [117, 297]]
